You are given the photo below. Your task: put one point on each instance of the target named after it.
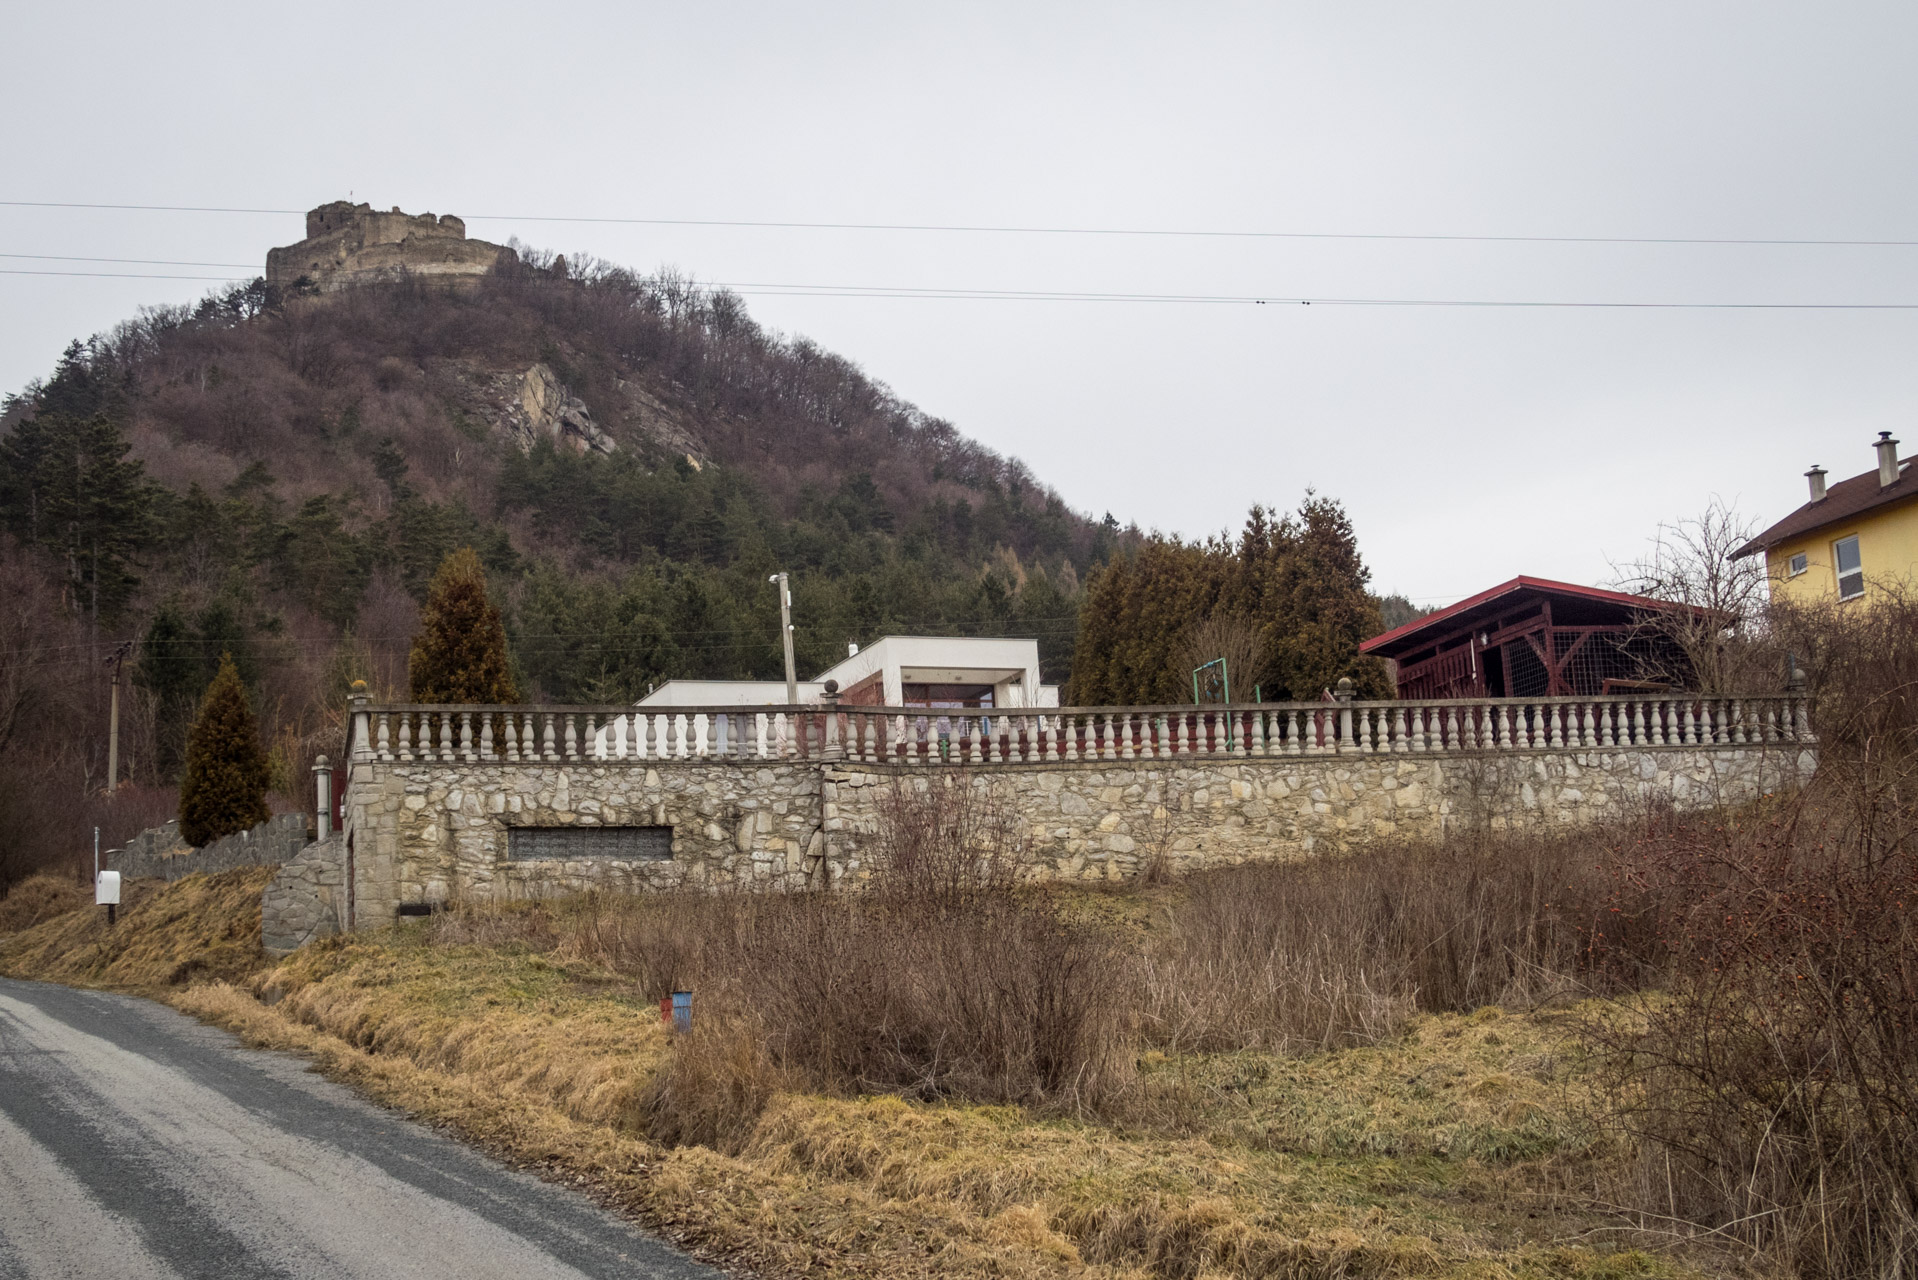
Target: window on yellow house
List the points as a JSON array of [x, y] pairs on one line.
[[1797, 565], [1851, 570]]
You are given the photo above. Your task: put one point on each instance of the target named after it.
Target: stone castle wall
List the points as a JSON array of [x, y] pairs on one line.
[[426, 833], [349, 244]]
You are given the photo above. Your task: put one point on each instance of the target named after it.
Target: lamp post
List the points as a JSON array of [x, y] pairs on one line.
[[786, 636]]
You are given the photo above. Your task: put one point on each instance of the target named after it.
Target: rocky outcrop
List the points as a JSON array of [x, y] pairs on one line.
[[348, 244], [546, 410]]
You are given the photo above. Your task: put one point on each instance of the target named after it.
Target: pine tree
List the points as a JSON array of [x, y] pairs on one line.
[[459, 655], [170, 669], [224, 788], [1318, 609]]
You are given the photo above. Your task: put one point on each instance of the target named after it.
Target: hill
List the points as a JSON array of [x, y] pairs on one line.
[[276, 471]]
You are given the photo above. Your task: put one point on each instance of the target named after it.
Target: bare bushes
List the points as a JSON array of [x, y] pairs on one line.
[[1330, 952], [942, 982], [1774, 1085]]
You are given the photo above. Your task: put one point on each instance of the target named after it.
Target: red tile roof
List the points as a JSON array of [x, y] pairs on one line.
[[1842, 501]]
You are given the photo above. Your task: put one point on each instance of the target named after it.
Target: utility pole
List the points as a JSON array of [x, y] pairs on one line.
[[114, 660], [786, 637]]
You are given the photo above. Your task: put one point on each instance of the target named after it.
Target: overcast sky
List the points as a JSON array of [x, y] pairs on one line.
[[1469, 444]]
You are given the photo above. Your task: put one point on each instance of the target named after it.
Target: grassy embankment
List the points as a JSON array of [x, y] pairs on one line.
[[1434, 1144]]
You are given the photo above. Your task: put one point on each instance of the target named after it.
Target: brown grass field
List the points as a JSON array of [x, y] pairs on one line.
[[1450, 1144]]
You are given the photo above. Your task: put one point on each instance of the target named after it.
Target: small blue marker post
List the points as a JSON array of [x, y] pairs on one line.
[[682, 1011]]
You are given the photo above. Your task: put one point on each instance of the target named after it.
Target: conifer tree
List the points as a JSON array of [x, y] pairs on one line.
[[459, 655], [224, 788]]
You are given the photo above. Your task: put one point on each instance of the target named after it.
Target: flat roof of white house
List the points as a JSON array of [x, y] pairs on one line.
[[1010, 665]]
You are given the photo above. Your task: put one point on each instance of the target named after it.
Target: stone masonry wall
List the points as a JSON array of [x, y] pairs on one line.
[[1101, 821], [423, 833], [426, 833], [307, 900], [159, 852]]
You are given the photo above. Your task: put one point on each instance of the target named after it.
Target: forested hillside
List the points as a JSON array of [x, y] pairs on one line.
[[277, 478]]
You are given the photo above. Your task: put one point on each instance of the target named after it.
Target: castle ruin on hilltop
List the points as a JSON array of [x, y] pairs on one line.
[[349, 244]]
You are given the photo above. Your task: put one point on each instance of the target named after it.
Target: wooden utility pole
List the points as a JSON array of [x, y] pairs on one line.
[[786, 636], [114, 661]]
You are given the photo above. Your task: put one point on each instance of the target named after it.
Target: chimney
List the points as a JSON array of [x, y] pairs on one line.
[[1817, 477], [1887, 459], [852, 648]]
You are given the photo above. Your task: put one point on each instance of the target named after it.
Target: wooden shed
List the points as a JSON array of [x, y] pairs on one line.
[[1534, 638]]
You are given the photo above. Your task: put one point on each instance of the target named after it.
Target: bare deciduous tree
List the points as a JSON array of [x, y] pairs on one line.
[[1221, 636], [1720, 601]]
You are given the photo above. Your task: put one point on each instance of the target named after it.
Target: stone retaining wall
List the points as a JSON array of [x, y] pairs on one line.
[[160, 853], [425, 833], [307, 899]]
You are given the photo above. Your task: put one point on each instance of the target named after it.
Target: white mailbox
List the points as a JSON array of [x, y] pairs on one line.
[[106, 890]]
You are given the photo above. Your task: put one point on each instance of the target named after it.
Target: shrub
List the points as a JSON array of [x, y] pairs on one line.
[[1774, 1086], [459, 654], [1337, 951], [223, 790]]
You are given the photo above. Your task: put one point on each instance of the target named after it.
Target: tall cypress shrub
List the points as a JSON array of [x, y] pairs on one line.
[[459, 654], [224, 788]]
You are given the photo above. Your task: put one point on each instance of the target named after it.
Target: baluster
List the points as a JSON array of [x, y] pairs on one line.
[[1412, 726], [1506, 729], [466, 736], [569, 747], [1294, 741], [486, 736], [1588, 726], [1554, 725], [1768, 727], [1663, 730], [1238, 733], [447, 748], [1638, 730], [1688, 729], [1469, 722], [382, 731], [405, 750], [1738, 712]]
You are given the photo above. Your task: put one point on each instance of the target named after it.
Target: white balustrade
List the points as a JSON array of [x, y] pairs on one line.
[[1006, 736]]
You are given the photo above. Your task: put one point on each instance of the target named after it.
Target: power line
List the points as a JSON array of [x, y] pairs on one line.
[[987, 229], [913, 293], [155, 262]]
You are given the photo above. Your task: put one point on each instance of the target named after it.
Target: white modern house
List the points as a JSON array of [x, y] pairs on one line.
[[898, 671]]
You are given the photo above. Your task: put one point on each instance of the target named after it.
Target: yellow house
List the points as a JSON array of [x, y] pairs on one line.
[[1850, 539]]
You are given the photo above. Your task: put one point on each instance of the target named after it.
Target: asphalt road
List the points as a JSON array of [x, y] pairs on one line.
[[136, 1143]]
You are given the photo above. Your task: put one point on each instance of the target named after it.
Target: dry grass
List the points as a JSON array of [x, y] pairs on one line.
[[1450, 1151], [39, 898], [1452, 1147], [199, 928]]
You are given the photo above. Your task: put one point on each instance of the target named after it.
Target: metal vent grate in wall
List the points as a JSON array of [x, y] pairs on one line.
[[634, 844]]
